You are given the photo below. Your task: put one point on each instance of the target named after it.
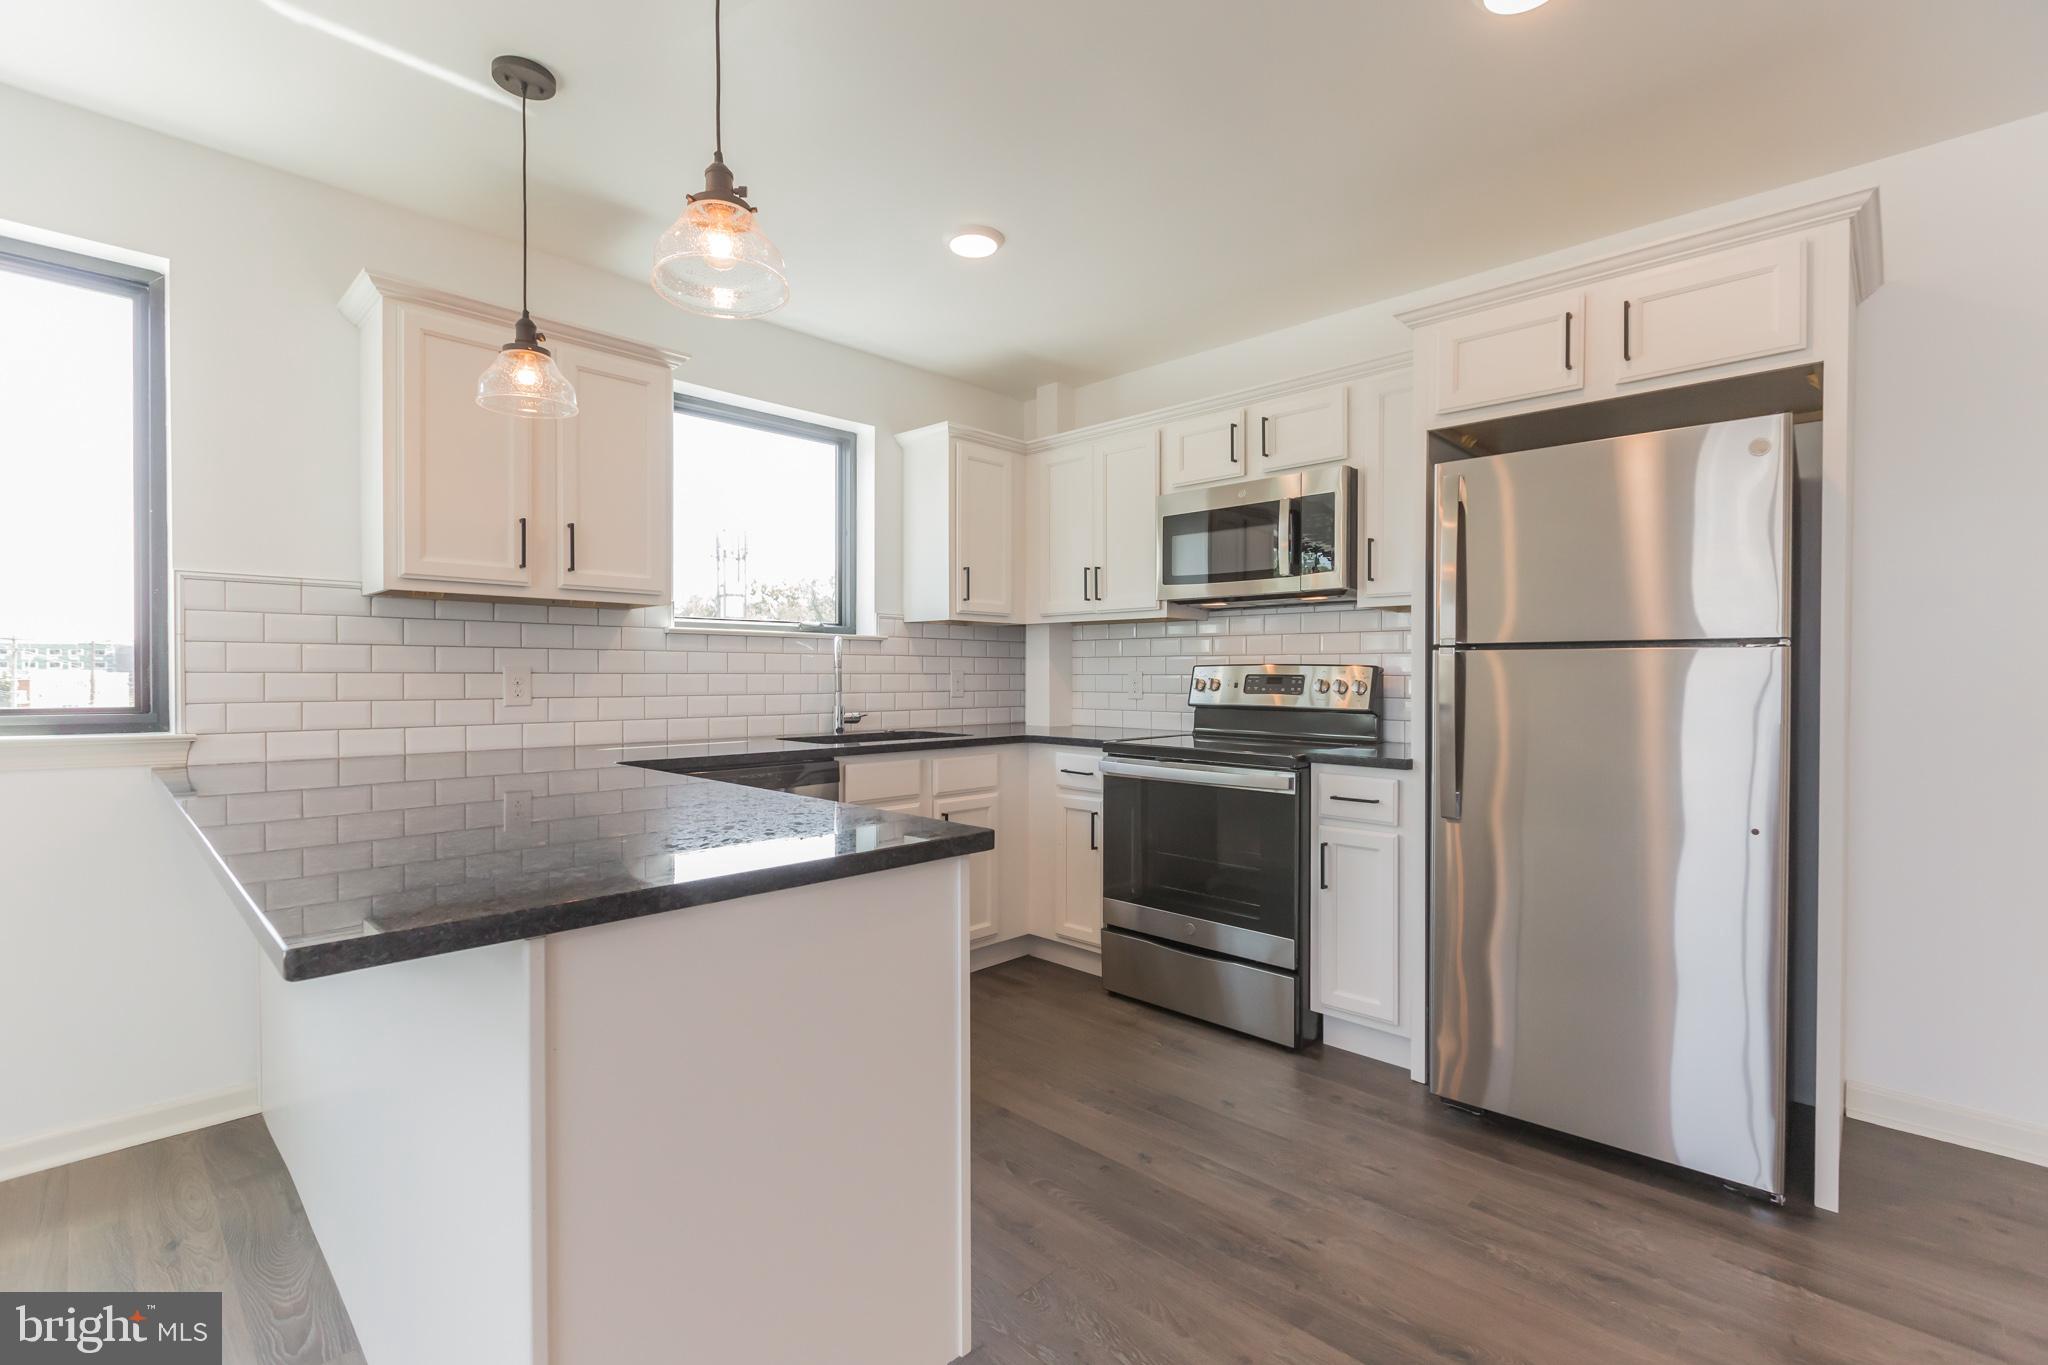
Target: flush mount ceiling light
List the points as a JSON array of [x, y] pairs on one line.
[[716, 260], [1511, 6], [975, 242], [523, 379]]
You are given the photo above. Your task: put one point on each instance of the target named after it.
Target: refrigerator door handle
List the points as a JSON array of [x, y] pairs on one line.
[[1450, 726], [1450, 558]]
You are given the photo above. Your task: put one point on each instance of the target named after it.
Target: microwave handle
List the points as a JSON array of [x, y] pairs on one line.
[[1289, 531]]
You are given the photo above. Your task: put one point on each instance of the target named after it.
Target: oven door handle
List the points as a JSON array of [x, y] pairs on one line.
[[1201, 775]]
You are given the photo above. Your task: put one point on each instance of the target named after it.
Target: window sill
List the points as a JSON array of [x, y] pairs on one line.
[[33, 753], [782, 633]]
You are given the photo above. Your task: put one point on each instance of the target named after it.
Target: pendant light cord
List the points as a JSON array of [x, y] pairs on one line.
[[523, 250], [718, 79]]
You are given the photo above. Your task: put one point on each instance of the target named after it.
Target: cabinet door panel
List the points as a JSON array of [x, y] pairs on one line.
[[984, 503], [1357, 944], [1395, 488], [1205, 449], [1127, 577], [1738, 304], [466, 476], [612, 472], [976, 808], [1077, 905], [1517, 351], [1312, 427], [1073, 495]]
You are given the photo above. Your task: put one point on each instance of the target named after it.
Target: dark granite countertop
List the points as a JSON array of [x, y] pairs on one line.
[[739, 753], [346, 863]]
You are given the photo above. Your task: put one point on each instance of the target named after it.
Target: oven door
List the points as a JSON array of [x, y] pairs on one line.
[[1278, 537], [1205, 856]]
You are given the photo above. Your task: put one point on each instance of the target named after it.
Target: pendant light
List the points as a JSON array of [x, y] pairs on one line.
[[523, 380], [716, 260]]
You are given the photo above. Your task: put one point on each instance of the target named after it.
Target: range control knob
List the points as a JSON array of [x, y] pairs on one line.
[[1343, 687], [1322, 684]]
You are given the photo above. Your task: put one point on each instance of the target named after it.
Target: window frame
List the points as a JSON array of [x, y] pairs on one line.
[[145, 288], [848, 447]]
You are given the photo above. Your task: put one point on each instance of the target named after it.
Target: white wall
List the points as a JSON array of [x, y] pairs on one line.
[[126, 982], [147, 981], [1948, 923]]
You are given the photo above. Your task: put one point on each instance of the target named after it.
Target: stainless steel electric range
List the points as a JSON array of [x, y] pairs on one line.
[[1206, 845]]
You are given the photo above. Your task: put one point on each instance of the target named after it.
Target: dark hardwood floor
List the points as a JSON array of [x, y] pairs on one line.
[[1151, 1191], [213, 1209]]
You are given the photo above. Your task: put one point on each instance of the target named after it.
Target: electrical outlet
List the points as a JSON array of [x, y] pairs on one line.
[[1136, 685], [519, 685], [518, 809], [957, 681]]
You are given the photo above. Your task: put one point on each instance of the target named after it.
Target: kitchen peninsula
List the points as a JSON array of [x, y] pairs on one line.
[[651, 1054]]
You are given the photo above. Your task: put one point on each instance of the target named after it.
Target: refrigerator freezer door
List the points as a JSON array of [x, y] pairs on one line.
[[1671, 535], [1608, 912]]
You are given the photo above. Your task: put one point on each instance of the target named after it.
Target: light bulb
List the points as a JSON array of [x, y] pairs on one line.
[[526, 384], [721, 252]]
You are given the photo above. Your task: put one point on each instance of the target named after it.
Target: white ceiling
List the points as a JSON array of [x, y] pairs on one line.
[[1171, 174]]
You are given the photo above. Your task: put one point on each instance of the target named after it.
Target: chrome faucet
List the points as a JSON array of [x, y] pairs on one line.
[[841, 717]]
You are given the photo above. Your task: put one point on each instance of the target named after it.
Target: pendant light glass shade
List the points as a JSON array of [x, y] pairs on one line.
[[525, 382], [716, 260]]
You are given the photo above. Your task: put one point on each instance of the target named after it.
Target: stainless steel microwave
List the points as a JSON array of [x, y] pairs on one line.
[[1291, 536]]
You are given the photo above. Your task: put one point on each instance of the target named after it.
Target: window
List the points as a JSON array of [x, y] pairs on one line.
[[764, 519], [83, 618]]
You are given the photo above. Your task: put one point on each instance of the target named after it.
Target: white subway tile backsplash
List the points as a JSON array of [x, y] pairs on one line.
[[311, 673]]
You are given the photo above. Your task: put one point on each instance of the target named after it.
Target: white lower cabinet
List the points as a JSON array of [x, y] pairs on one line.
[[1355, 944], [984, 918], [1077, 868]]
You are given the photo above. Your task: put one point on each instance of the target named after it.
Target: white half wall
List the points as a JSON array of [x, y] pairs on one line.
[[1946, 931], [127, 985]]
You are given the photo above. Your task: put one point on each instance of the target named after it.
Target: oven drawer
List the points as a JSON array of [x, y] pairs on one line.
[[1238, 995], [1347, 795]]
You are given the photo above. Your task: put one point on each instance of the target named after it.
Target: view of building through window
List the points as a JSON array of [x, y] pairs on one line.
[[67, 520], [759, 522]]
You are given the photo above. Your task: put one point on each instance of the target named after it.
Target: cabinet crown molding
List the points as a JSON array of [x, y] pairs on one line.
[[369, 288], [1859, 209]]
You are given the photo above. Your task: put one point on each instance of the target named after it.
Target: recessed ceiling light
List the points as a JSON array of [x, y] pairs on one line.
[[1510, 6], [975, 242]]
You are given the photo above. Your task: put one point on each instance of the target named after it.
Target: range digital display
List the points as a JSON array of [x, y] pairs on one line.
[[1276, 684]]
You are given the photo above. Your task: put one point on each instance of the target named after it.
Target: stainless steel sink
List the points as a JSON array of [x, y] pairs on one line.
[[874, 736]]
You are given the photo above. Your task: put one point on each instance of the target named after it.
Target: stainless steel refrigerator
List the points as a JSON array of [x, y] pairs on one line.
[[1610, 791]]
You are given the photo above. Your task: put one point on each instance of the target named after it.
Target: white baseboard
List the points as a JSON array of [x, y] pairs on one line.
[[1381, 1046], [66, 1145], [1944, 1122], [1030, 945]]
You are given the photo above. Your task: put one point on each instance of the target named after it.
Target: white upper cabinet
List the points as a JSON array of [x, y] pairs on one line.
[[1733, 305], [458, 483], [1205, 449], [1073, 529], [1393, 487], [1521, 350], [1127, 568], [460, 500], [613, 464], [1296, 429], [961, 511]]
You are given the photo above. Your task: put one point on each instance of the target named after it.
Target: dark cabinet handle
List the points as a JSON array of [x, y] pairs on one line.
[[1369, 544], [522, 542], [1085, 596], [1233, 443], [1625, 306], [572, 547], [1094, 843], [946, 816], [1098, 582], [1077, 772], [1358, 800], [966, 583], [1323, 868], [1567, 341], [1264, 453]]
